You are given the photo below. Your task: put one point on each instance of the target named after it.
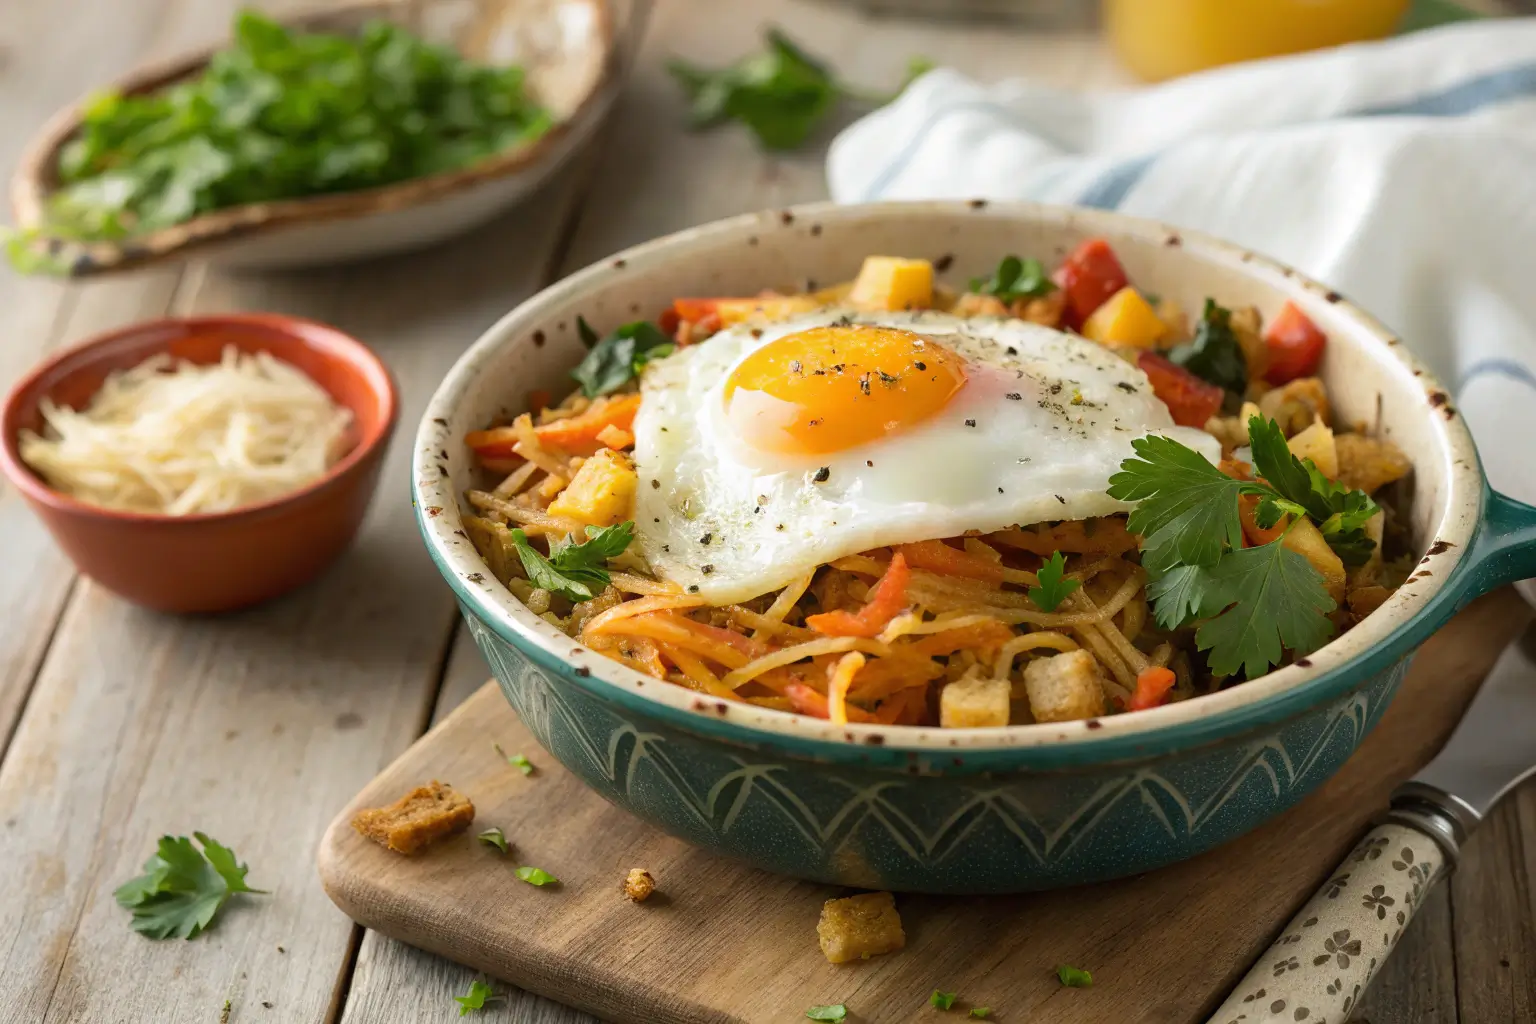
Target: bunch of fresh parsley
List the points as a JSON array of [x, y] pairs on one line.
[[615, 360], [282, 114], [1252, 603], [781, 94], [578, 572], [182, 889]]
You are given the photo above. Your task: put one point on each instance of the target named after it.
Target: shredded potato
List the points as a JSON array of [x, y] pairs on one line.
[[176, 438]]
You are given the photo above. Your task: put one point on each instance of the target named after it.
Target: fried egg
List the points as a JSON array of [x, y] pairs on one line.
[[769, 450]]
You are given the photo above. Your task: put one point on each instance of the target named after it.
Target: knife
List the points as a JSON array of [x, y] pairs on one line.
[[1328, 954]]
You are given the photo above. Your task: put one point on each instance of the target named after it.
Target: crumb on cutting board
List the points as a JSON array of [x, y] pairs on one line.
[[418, 819], [860, 926], [638, 885]]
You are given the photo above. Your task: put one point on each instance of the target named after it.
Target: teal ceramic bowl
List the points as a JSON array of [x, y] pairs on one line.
[[978, 810]]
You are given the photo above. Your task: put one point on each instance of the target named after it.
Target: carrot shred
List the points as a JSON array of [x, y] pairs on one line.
[[807, 700], [936, 556], [578, 435], [986, 636], [887, 599], [740, 641], [839, 680], [1152, 686], [615, 437]]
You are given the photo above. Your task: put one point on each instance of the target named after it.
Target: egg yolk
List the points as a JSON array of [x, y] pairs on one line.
[[830, 388]]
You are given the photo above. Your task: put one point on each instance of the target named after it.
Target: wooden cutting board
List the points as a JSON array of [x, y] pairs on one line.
[[724, 942]]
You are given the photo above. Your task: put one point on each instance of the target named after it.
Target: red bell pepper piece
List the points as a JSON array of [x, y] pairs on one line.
[[1190, 400], [1089, 275], [1295, 345]]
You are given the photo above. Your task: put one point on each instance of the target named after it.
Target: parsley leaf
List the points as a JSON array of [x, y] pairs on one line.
[[1074, 977], [517, 761], [475, 999], [835, 1012], [781, 94], [182, 889], [1054, 587], [1179, 595], [1188, 508], [1340, 512], [495, 837], [981, 1012], [942, 1000], [1214, 353], [536, 876], [1274, 601], [618, 359], [282, 114], [1014, 279], [578, 572]]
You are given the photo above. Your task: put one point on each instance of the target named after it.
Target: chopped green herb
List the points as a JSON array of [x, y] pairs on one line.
[[1074, 977], [475, 999], [1054, 587], [618, 359], [495, 837], [577, 571], [981, 1012], [1214, 353], [1340, 513], [283, 114], [835, 1012], [942, 1000], [182, 889], [517, 761], [781, 95], [1014, 279], [536, 876], [1187, 512]]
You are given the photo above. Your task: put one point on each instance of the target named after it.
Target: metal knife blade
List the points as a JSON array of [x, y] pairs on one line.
[[1493, 749]]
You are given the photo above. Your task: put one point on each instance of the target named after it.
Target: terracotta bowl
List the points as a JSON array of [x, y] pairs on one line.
[[962, 810], [218, 561]]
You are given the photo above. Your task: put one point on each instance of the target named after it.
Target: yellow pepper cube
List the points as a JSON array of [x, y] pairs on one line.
[[603, 491], [891, 282], [1125, 319]]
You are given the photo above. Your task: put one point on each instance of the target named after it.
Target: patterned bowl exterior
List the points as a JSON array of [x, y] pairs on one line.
[[913, 830]]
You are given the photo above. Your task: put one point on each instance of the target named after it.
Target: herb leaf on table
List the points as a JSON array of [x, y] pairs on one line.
[[182, 888]]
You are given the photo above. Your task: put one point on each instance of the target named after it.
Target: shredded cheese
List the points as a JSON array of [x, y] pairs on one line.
[[177, 438]]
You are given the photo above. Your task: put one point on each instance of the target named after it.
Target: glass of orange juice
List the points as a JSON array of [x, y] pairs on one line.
[[1159, 39]]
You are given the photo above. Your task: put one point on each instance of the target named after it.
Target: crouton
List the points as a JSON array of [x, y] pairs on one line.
[[1317, 443], [974, 701], [638, 885], [974, 304], [1045, 310], [1245, 328], [1367, 463], [602, 493], [859, 927], [1295, 406], [418, 819], [1065, 687]]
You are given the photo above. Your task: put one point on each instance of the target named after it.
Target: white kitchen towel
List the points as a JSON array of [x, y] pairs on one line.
[[1402, 173]]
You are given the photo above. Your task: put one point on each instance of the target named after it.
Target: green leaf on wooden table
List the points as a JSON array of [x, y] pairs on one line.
[[517, 761], [536, 876], [780, 94], [834, 1012], [182, 889], [495, 837], [1074, 977], [475, 999], [981, 1012], [942, 1000]]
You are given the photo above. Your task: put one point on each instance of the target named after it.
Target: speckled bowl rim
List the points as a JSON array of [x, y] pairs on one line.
[[1385, 636]]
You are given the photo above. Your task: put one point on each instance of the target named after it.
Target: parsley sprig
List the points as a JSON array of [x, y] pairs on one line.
[[1014, 279], [475, 999], [1257, 602], [615, 360], [182, 889], [780, 94], [1054, 587], [578, 572]]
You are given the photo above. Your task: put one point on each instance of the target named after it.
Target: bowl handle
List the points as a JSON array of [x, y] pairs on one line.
[[1504, 549]]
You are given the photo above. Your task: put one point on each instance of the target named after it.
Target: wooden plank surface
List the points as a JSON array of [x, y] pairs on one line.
[[731, 944]]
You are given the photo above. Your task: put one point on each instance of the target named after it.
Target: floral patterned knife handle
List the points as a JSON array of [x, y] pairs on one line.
[[1329, 952]]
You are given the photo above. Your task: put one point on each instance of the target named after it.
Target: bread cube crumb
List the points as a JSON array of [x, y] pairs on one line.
[[418, 819], [974, 701], [1064, 688], [638, 885], [859, 927]]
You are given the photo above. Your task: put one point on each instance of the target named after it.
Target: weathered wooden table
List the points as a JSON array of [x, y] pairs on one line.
[[118, 725]]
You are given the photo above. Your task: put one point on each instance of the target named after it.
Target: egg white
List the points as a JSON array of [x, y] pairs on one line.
[[1042, 422]]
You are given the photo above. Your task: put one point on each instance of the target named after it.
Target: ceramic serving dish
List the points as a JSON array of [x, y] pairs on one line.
[[567, 48], [216, 561], [982, 810]]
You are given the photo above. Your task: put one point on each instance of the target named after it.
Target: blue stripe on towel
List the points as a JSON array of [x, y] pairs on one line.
[[1109, 189], [1505, 368]]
